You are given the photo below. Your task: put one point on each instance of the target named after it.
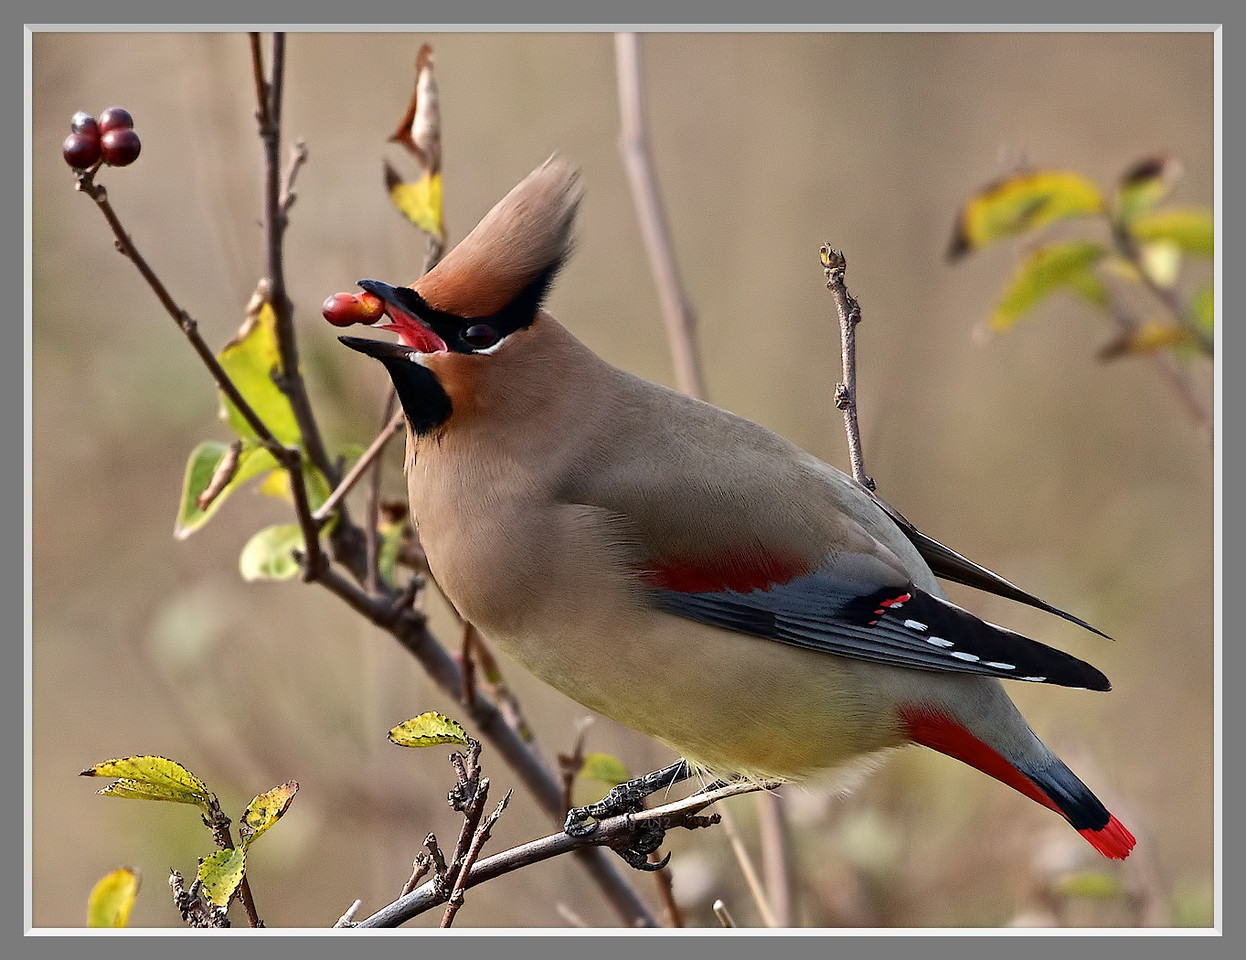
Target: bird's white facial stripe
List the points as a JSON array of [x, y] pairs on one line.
[[939, 641], [489, 351]]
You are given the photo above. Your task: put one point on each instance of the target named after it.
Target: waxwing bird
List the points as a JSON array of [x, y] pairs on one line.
[[678, 568]]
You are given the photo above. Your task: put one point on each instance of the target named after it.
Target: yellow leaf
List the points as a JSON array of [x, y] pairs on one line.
[[419, 202], [427, 730], [112, 898], [1150, 336], [221, 873], [1021, 203], [1193, 230], [265, 810], [151, 778], [1057, 266], [251, 359]]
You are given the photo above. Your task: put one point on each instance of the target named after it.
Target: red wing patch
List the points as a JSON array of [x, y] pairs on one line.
[[731, 572]]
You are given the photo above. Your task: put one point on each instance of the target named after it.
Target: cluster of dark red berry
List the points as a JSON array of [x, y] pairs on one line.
[[111, 138]]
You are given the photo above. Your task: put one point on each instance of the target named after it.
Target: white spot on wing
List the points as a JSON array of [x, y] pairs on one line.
[[1000, 666], [914, 624], [1035, 679], [961, 655], [939, 641]]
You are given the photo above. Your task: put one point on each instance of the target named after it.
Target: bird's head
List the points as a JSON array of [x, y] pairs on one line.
[[478, 301]]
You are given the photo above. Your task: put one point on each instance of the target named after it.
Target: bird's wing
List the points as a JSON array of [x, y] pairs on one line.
[[857, 606], [947, 564]]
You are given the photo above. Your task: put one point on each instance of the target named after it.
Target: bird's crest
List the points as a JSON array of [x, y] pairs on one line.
[[527, 232]]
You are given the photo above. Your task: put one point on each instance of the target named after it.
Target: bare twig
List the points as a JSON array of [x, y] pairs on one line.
[[287, 196], [836, 265], [634, 144], [347, 919], [419, 870], [348, 482], [677, 310], [666, 890], [613, 830], [776, 865], [749, 871], [269, 95], [723, 914], [1177, 378], [479, 838], [390, 611]]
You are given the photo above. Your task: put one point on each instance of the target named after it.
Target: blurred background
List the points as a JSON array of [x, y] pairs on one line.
[[1084, 482]]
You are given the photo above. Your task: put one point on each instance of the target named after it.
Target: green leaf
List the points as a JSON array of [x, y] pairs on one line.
[[1051, 268], [419, 202], [151, 778], [112, 898], [1144, 185], [265, 810], [251, 359], [1193, 230], [1203, 308], [1091, 885], [603, 768], [387, 552], [427, 730], [268, 554], [252, 461], [221, 873], [1022, 203]]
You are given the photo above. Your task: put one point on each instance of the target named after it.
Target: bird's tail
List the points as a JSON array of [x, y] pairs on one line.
[[1045, 780]]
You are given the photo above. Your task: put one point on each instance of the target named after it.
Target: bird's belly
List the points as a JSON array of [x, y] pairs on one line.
[[731, 703]]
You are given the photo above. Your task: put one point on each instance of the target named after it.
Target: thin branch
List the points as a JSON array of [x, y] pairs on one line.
[[749, 871], [723, 914], [776, 865], [86, 184], [634, 144], [409, 628], [681, 813], [287, 196], [268, 114], [836, 265], [361, 466], [388, 610], [1177, 378], [479, 838]]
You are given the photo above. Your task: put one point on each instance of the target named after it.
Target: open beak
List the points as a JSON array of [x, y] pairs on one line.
[[379, 349], [404, 316]]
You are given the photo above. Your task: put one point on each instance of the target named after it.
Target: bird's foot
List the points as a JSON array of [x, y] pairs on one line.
[[629, 798]]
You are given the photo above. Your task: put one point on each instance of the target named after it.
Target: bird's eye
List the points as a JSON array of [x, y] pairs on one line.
[[480, 336]]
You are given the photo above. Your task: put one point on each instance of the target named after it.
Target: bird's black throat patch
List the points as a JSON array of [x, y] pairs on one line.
[[424, 401]]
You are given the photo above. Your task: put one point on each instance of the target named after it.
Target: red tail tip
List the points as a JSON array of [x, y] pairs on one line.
[[1113, 840]]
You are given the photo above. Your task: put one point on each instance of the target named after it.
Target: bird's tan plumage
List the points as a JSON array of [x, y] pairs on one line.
[[681, 569]]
